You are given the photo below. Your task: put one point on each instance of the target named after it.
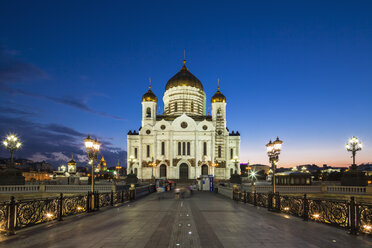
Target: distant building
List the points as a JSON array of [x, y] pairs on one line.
[[102, 166], [32, 176], [260, 167], [293, 178], [69, 174], [71, 165]]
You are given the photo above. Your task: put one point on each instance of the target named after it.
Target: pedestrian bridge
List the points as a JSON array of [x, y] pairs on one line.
[[204, 220]]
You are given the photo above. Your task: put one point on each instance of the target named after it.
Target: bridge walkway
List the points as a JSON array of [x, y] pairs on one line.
[[204, 220]]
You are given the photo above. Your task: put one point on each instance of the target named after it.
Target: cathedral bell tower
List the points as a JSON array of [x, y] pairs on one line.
[[149, 106], [219, 118]]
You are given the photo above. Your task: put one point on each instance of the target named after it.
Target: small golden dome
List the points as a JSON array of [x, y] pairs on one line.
[[149, 96], [218, 97], [184, 78]]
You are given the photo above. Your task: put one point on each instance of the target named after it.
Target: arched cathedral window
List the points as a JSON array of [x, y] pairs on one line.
[[219, 113], [148, 112]]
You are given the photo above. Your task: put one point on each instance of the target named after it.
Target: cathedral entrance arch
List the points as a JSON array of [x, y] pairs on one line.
[[204, 169], [163, 170], [184, 171]]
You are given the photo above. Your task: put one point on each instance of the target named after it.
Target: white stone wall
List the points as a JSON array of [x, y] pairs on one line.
[[153, 135]]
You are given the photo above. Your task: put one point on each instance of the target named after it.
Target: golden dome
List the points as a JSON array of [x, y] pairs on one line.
[[218, 97], [184, 78], [149, 96]]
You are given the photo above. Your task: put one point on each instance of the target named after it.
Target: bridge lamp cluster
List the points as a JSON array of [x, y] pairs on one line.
[[354, 144], [12, 143], [273, 151], [92, 147], [131, 160]]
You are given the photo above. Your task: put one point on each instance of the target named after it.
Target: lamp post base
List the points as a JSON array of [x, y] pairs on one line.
[[11, 176], [354, 178], [132, 178], [235, 178]]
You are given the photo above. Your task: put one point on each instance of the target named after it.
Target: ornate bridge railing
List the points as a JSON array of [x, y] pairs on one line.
[[15, 215], [353, 216]]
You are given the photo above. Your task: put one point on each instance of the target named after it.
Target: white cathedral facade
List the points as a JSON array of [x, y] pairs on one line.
[[183, 142]]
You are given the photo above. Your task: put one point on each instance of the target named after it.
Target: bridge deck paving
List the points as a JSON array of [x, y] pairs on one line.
[[204, 220]]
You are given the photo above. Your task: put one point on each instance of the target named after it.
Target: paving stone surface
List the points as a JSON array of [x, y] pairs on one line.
[[204, 220]]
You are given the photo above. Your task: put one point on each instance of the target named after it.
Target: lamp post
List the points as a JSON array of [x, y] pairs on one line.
[[92, 148], [152, 164], [235, 161], [12, 143], [273, 151], [353, 146], [214, 165], [131, 160]]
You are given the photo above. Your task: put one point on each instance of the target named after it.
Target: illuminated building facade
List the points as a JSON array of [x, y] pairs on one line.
[[184, 142]]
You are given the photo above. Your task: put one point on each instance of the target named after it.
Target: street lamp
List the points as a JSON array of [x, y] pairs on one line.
[[353, 146], [236, 161], [152, 164], [12, 143], [273, 151], [92, 148], [253, 175], [131, 161]]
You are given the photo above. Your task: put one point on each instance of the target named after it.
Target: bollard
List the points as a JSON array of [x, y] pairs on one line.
[[60, 207], [11, 217], [112, 198], [305, 215], [122, 196], [352, 217], [245, 196]]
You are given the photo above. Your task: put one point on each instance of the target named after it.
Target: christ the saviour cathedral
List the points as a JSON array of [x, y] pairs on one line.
[[184, 142]]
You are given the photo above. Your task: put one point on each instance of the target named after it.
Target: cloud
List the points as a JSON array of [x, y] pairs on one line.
[[54, 143], [82, 158], [64, 130], [14, 71], [68, 101], [38, 157], [59, 156], [14, 111]]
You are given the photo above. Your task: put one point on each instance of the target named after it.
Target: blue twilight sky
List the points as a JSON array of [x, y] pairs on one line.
[[300, 70]]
